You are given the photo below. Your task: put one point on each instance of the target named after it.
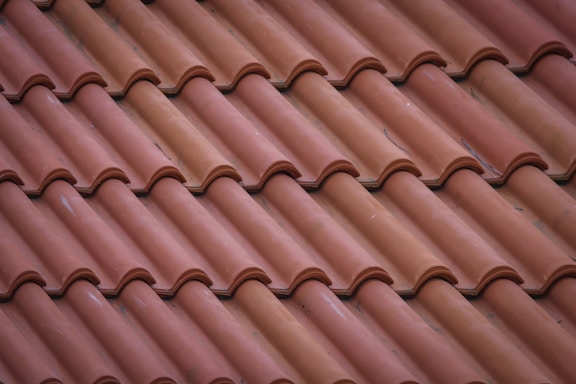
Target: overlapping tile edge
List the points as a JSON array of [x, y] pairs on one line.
[[550, 366]]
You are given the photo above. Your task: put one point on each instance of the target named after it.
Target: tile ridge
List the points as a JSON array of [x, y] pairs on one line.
[[190, 73], [487, 53], [394, 166], [29, 276], [142, 74], [427, 57], [309, 65], [36, 79], [526, 158], [363, 63], [136, 273], [462, 162], [248, 69], [104, 175], [250, 273], [549, 48], [278, 167], [335, 166], [496, 273], [559, 273], [311, 273]]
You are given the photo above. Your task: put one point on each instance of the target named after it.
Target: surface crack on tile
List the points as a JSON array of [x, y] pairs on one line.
[[393, 142], [477, 156]]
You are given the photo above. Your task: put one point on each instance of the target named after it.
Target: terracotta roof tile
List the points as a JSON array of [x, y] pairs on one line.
[[46, 55], [287, 192]]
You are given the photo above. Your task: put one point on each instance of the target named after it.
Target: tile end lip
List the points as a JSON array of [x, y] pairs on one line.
[[22, 278], [500, 272], [15, 95]]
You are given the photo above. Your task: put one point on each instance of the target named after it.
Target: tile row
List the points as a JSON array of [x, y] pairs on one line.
[[340, 234], [370, 129], [312, 336], [116, 43]]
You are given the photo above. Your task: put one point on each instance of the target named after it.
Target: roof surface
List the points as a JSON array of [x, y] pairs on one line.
[[287, 191]]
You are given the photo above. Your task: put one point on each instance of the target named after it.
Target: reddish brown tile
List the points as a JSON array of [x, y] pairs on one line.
[[115, 60], [281, 54], [57, 59], [434, 152], [521, 38], [249, 151], [469, 124], [526, 115], [474, 262], [536, 258], [337, 230], [283, 125], [372, 153]]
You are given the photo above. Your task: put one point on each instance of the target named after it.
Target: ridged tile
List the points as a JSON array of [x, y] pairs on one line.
[[352, 250], [526, 114], [472, 259], [544, 204], [84, 141], [47, 57], [115, 59], [536, 257], [275, 47], [469, 124], [434, 152], [523, 39], [178, 138], [373, 155]]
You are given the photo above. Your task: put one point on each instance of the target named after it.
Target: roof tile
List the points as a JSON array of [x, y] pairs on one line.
[[48, 49], [286, 192], [515, 239], [522, 39], [469, 124], [114, 58]]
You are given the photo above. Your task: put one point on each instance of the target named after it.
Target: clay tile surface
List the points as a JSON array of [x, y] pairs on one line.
[[287, 191]]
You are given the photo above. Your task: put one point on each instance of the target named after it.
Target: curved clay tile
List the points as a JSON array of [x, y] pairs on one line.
[[435, 153], [186, 352], [457, 42], [552, 349], [146, 36], [559, 303], [544, 203], [40, 322], [194, 237], [338, 51], [25, 158], [136, 155], [147, 242], [282, 55], [90, 238], [557, 16], [372, 153], [368, 358], [392, 38], [283, 259], [226, 332], [57, 58], [312, 154], [302, 355], [227, 59], [473, 336], [406, 331], [521, 38], [40, 243], [120, 347], [16, 268], [116, 61], [338, 253], [472, 260], [248, 150], [460, 112], [175, 136], [377, 232], [527, 115], [18, 71], [79, 149], [18, 353], [516, 239]]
